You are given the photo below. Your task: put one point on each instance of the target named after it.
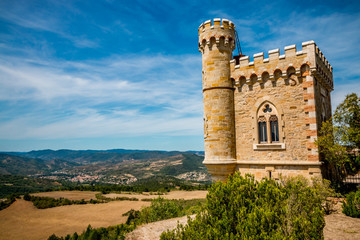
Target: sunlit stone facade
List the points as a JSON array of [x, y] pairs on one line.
[[262, 116]]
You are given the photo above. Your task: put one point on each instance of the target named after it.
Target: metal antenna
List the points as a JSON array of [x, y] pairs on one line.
[[238, 43]]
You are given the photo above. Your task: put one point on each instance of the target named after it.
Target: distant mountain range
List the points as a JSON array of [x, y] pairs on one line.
[[116, 166]]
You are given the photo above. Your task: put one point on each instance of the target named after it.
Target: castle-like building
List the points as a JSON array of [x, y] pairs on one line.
[[262, 116]]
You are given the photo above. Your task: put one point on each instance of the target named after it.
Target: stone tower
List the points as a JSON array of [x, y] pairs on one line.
[[262, 116], [216, 43]]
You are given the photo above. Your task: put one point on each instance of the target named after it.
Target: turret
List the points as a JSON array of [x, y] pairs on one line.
[[216, 43]]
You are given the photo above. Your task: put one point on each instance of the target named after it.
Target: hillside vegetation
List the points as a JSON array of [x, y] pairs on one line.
[[69, 168], [10, 184], [104, 171]]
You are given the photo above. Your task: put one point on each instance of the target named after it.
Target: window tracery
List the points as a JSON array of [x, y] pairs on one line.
[[268, 124]]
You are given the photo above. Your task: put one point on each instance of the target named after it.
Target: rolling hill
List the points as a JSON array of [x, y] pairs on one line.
[[116, 166]]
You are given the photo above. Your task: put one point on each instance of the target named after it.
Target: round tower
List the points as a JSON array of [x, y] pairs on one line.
[[216, 43]]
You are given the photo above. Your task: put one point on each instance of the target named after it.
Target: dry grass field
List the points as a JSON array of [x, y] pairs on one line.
[[187, 195], [72, 195], [23, 221], [86, 195]]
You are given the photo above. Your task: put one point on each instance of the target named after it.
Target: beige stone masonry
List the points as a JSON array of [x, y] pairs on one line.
[[289, 93]]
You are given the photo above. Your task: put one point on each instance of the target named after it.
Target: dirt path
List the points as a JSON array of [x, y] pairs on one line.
[[153, 230], [339, 226]]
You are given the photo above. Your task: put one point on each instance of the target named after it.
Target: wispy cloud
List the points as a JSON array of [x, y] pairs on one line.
[[44, 19], [141, 95]]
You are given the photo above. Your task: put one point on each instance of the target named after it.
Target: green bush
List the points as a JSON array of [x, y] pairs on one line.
[[351, 207], [159, 209], [243, 208]]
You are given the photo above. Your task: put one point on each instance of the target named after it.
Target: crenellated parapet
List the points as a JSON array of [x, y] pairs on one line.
[[324, 70], [218, 32], [308, 60]]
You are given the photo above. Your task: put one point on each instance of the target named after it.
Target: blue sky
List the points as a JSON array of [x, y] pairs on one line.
[[127, 74]]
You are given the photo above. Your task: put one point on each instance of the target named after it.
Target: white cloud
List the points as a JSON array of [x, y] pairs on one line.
[[94, 124], [120, 95]]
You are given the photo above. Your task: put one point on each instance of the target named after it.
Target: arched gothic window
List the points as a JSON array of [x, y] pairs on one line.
[[268, 124], [262, 130], [274, 128]]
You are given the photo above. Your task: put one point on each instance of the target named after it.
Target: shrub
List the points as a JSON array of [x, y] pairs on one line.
[[243, 208], [27, 197], [159, 209], [351, 207]]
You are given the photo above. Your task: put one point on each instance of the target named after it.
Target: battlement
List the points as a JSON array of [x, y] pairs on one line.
[[219, 32], [276, 65], [216, 23], [290, 52]]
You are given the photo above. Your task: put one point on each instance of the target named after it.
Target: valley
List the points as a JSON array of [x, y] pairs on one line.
[[48, 169]]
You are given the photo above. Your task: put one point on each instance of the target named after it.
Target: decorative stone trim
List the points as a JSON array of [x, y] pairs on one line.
[[269, 146], [219, 162], [289, 163]]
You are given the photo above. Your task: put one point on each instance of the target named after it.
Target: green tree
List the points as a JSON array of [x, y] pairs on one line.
[[339, 140], [347, 118], [333, 153]]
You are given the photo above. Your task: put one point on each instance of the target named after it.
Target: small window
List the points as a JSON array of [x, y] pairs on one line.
[[262, 130], [274, 128]]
